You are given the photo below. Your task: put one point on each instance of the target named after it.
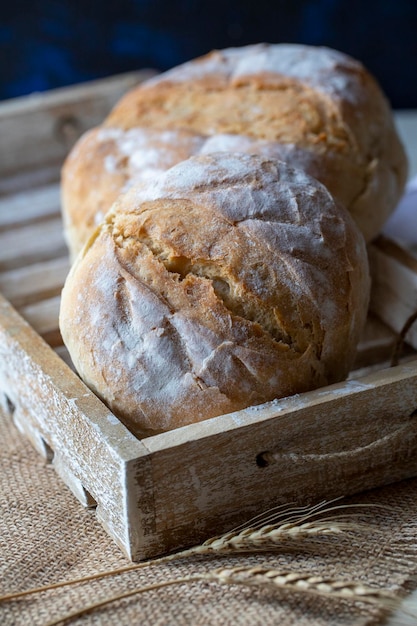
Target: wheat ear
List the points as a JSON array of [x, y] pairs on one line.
[[301, 581], [271, 530], [268, 531], [278, 580]]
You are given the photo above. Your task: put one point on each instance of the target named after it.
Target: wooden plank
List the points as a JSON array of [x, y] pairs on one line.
[[43, 317], [32, 243], [29, 206], [376, 344], [394, 285], [38, 130], [30, 180], [32, 283]]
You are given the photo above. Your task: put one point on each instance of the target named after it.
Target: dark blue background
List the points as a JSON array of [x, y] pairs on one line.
[[50, 43]]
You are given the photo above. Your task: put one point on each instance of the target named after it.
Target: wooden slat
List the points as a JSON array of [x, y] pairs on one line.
[[376, 343], [32, 243], [29, 206], [30, 180], [35, 282], [43, 317]]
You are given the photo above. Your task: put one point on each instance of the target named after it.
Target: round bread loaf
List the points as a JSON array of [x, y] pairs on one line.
[[315, 108], [226, 281]]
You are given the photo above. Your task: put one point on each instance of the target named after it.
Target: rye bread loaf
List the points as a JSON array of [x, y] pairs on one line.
[[315, 108], [226, 281]]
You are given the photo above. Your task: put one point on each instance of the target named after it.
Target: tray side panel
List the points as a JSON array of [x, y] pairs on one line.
[[88, 445], [333, 442]]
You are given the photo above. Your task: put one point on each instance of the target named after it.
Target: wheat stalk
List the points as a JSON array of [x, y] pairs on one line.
[[279, 580], [268, 531]]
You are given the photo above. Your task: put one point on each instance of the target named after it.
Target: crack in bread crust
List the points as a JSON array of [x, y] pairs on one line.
[[252, 311], [181, 268]]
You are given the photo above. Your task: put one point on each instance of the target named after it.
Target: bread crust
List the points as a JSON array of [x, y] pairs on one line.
[[227, 281], [314, 107]]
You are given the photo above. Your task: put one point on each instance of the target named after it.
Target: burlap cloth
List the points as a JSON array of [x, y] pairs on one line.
[[47, 536]]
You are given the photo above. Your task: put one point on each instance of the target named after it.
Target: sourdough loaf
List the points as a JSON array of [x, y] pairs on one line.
[[315, 108], [226, 281]]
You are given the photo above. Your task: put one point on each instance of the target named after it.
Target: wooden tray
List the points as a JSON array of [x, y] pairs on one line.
[[179, 488]]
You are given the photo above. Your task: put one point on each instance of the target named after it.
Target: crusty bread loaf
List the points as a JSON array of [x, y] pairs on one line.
[[226, 281], [316, 108]]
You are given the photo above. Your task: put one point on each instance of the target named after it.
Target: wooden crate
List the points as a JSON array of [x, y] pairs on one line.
[[179, 488]]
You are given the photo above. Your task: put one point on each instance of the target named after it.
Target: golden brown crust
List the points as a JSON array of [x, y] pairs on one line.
[[227, 281], [318, 109]]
